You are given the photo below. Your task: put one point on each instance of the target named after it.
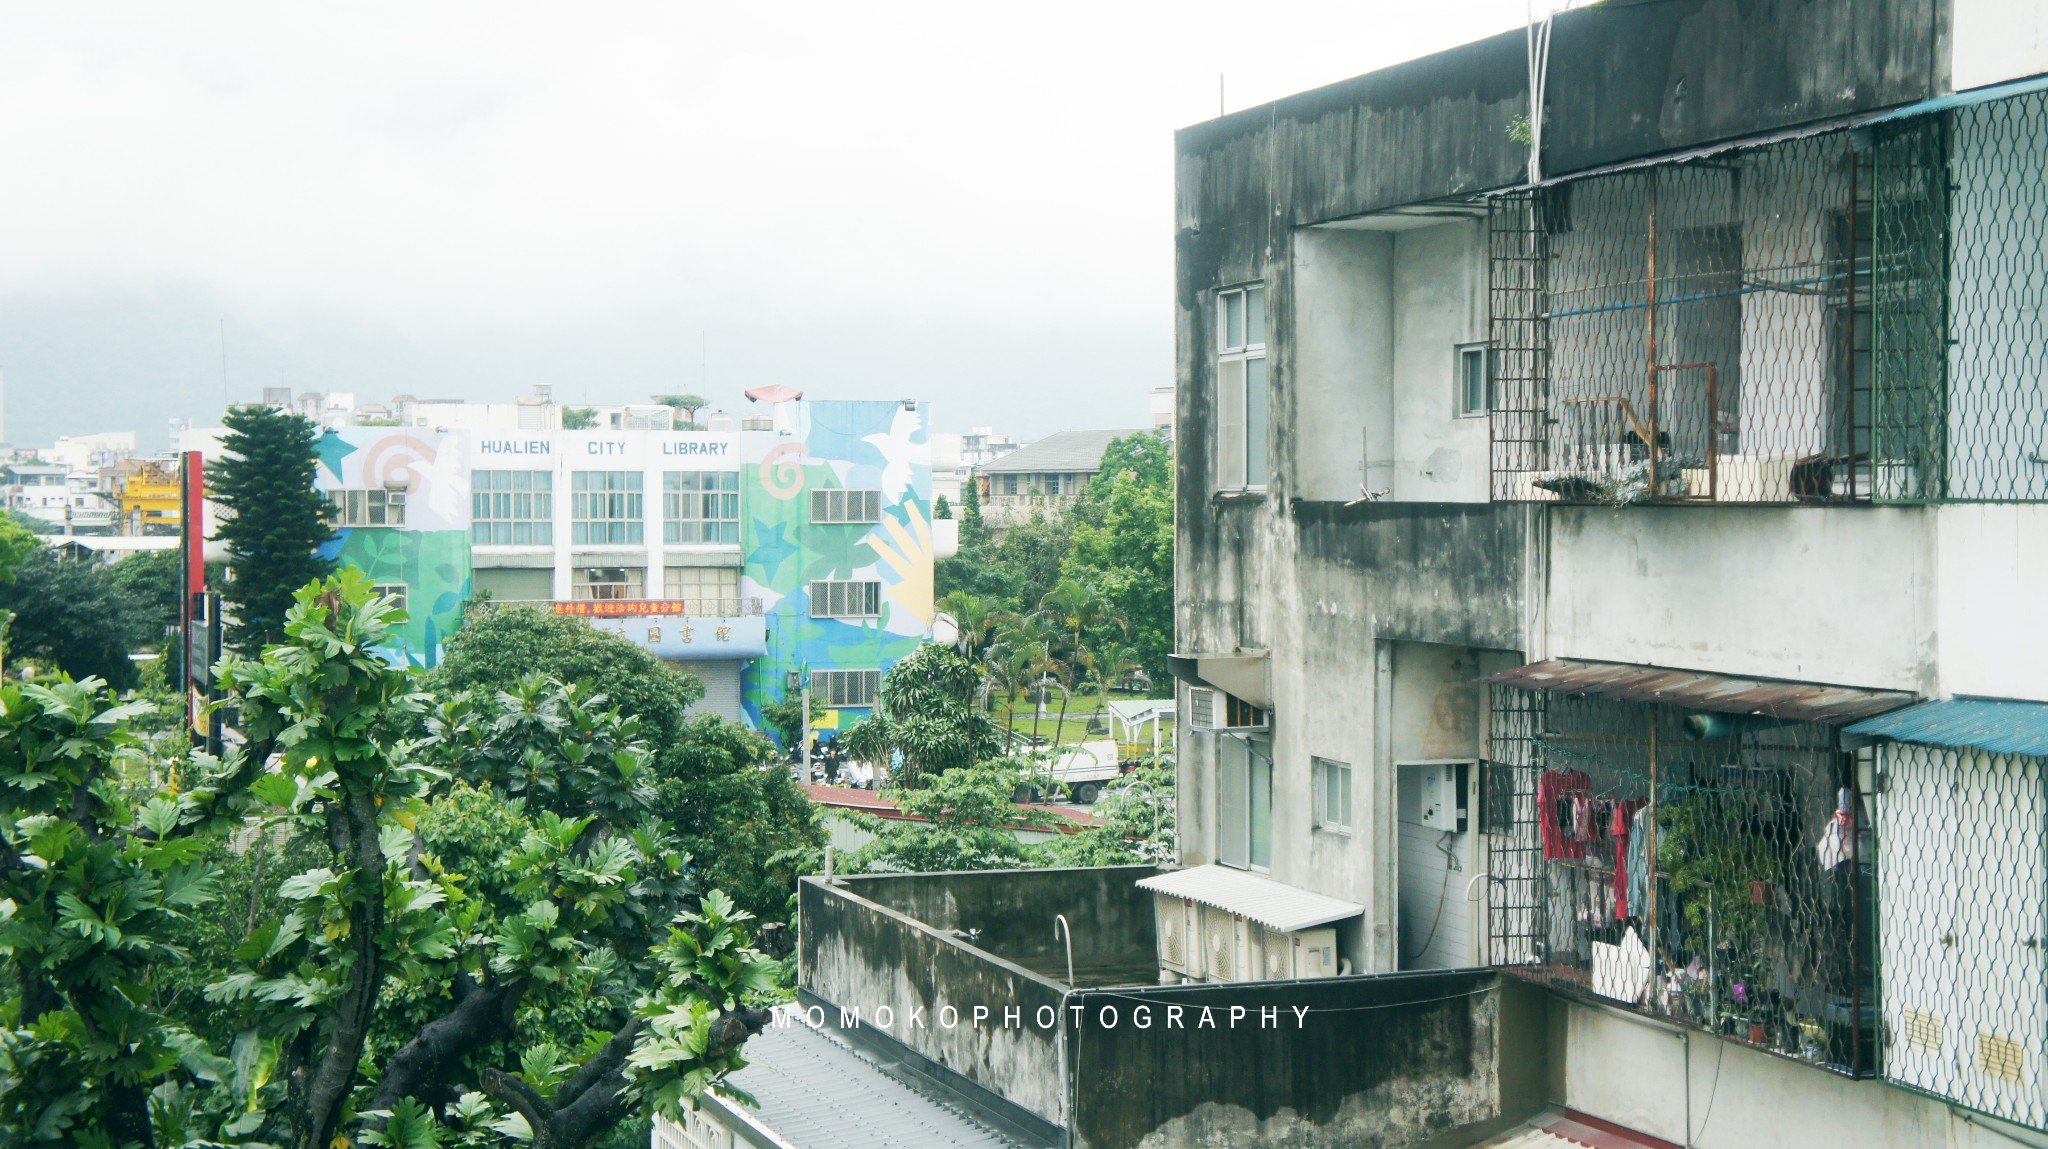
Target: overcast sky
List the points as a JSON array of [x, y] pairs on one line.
[[467, 199]]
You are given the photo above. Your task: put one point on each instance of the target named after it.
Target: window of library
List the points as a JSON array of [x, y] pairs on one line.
[[606, 508], [837, 505], [845, 687], [375, 507], [700, 507], [1333, 795], [714, 587], [1241, 389], [831, 598], [395, 591], [603, 583], [512, 508]]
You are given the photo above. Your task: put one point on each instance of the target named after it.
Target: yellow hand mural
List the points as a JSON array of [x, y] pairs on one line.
[[908, 552]]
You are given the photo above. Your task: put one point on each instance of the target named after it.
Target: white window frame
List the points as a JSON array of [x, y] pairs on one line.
[[824, 592], [1328, 773], [618, 512], [709, 509], [497, 513], [366, 507], [398, 592], [835, 505], [829, 688], [1243, 457], [1461, 404], [1238, 806], [629, 586]]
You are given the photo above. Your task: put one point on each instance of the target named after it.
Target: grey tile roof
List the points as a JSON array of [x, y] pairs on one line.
[[1065, 452], [817, 1092]]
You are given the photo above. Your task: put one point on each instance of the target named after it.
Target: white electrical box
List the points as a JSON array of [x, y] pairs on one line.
[[1433, 794]]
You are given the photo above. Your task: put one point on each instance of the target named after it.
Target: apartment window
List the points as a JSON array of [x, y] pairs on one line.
[[605, 507], [831, 598], [845, 687], [1009, 483], [1245, 810], [1241, 387], [836, 505], [1333, 795], [375, 507], [599, 583], [512, 508], [395, 591], [700, 507], [1475, 380], [708, 585]]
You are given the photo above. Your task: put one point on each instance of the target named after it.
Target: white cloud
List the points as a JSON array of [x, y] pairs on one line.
[[475, 165]]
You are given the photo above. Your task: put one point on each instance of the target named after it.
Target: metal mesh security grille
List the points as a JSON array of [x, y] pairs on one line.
[[1846, 317], [1963, 219], [1753, 919], [1960, 925]]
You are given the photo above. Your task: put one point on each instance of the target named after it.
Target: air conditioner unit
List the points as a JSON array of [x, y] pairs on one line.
[[1223, 948], [1218, 712], [1313, 953], [1173, 935]]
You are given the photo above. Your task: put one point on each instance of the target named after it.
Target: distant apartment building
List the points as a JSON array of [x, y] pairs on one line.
[[1162, 410], [1044, 478], [746, 557]]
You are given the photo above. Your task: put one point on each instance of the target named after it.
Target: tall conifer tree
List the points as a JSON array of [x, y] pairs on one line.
[[272, 520]]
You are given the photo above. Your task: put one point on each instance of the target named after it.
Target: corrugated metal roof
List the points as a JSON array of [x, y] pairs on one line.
[[1984, 723], [1795, 701], [1271, 904], [1063, 453], [817, 1092], [2003, 91]]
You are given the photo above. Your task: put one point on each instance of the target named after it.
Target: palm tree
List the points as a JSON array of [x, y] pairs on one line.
[[1034, 639], [975, 618]]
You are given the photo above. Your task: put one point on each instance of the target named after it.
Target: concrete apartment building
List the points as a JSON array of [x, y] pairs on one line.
[[747, 556], [1609, 603]]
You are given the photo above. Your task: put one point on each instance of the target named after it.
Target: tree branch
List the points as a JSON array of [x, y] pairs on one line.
[[336, 1075], [422, 1066]]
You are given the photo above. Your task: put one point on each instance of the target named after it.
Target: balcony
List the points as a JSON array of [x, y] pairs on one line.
[[968, 978]]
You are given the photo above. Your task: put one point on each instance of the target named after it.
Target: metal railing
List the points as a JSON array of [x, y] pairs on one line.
[[1961, 925], [1853, 316], [1707, 869]]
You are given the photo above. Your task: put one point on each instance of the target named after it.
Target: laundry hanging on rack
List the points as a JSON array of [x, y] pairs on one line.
[[1561, 797], [1834, 845], [1622, 827]]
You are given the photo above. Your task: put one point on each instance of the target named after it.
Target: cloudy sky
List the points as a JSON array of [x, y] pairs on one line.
[[618, 199]]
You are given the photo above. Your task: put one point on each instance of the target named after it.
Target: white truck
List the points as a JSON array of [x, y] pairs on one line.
[[1081, 769]]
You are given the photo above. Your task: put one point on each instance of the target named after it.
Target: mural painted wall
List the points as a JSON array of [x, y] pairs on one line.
[[429, 553], [880, 446]]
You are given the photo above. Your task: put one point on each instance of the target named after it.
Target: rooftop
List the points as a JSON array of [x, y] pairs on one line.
[[817, 1091], [1064, 452]]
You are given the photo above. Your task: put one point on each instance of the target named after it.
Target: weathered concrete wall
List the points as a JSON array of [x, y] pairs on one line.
[[1377, 1062], [860, 955], [1991, 609], [1821, 594], [1660, 1080], [1011, 913]]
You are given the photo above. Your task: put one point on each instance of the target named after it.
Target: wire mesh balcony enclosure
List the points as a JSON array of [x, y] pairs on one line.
[[1755, 918], [1961, 929], [1850, 316]]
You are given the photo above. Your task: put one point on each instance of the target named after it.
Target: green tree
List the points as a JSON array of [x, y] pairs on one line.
[[942, 508], [1134, 824], [579, 418], [273, 519], [926, 715], [499, 646], [1123, 543], [71, 614], [687, 405], [148, 584], [965, 820]]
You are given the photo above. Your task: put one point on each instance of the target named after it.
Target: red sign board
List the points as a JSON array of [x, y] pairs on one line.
[[622, 608]]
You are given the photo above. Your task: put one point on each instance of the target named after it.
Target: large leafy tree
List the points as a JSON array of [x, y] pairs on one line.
[[148, 584], [712, 788], [70, 613], [960, 820], [481, 929], [273, 519], [926, 717], [1123, 543]]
